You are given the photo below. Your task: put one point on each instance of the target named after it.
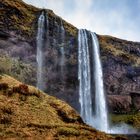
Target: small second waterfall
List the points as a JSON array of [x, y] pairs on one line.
[[62, 61], [62, 49], [97, 119], [39, 56]]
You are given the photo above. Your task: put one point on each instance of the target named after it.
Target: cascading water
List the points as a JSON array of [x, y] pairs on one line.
[[62, 61], [62, 51], [100, 118], [39, 56], [84, 78], [62, 32]]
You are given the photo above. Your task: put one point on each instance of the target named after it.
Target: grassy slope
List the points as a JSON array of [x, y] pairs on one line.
[[131, 119], [26, 112]]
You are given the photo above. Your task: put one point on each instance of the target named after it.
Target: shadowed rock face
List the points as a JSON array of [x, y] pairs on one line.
[[120, 58], [135, 100]]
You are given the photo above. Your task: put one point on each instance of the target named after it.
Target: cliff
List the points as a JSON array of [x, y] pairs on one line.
[[120, 58], [121, 65]]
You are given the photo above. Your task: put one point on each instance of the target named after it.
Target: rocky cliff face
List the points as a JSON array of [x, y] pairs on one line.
[[120, 58], [121, 66]]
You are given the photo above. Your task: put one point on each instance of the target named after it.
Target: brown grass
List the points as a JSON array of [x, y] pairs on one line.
[[25, 115]]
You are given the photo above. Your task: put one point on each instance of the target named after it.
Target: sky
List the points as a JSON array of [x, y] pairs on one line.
[[119, 18]]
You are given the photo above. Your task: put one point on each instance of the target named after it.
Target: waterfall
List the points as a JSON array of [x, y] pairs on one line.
[[87, 79], [62, 51], [39, 56], [62, 32], [99, 120], [62, 61], [101, 114], [84, 77]]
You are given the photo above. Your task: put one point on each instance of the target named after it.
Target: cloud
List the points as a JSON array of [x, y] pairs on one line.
[[117, 18], [37, 3]]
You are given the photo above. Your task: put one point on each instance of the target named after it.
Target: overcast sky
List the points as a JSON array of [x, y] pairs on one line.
[[119, 18]]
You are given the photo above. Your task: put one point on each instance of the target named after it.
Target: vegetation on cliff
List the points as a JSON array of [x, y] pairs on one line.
[[21, 18], [126, 51], [16, 16], [16, 68], [131, 119]]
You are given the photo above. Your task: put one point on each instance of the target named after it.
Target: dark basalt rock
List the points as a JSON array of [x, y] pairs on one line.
[[4, 35], [135, 100]]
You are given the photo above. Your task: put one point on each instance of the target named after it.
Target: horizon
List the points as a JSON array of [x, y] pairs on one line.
[[123, 24]]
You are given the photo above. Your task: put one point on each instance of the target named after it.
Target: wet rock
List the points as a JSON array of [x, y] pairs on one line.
[[119, 104]]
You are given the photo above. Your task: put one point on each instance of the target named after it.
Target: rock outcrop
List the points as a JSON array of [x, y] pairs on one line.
[[18, 29]]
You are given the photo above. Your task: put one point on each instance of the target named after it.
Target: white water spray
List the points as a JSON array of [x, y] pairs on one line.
[[62, 51], [39, 57], [62, 31], [62, 61], [84, 78], [100, 118], [101, 113]]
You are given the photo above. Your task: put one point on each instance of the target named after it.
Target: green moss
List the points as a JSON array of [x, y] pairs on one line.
[[116, 47], [132, 119], [17, 69]]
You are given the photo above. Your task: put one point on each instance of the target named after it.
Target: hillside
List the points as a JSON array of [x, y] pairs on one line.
[[26, 112]]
